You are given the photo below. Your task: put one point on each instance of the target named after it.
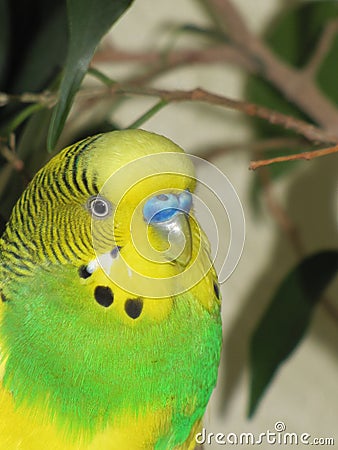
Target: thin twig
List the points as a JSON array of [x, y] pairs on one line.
[[11, 157], [45, 98], [254, 146], [8, 152], [275, 143], [160, 62], [323, 47], [304, 155], [330, 308]]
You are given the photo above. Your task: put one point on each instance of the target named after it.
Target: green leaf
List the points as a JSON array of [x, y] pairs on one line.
[[36, 34], [88, 22], [287, 318], [31, 62], [4, 37], [42, 63]]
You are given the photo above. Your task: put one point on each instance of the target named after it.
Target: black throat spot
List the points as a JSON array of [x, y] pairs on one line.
[[133, 307], [104, 296]]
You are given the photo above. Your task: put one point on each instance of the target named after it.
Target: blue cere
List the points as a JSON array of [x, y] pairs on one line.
[[163, 207]]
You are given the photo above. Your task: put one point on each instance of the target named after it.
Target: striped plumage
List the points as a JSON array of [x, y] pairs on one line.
[[66, 180], [88, 362]]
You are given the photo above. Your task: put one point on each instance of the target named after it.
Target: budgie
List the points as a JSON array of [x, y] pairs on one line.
[[110, 307]]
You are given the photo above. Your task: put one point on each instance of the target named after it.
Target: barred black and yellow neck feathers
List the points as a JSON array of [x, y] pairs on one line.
[[45, 213]]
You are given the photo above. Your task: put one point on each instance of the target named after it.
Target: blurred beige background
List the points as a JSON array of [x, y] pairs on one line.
[[304, 394]]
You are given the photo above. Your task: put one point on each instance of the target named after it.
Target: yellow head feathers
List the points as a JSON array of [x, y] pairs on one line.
[[124, 168]]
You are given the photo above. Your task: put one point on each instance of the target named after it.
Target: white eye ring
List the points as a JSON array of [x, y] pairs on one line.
[[99, 207]]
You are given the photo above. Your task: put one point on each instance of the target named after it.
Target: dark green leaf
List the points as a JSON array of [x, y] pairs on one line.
[[4, 37], [88, 22], [46, 55], [287, 318], [30, 25], [34, 55]]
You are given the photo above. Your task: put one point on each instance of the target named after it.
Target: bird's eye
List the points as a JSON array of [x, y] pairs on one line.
[[99, 207]]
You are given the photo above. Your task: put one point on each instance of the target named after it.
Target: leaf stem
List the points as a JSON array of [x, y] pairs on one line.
[[101, 77], [23, 115], [148, 114]]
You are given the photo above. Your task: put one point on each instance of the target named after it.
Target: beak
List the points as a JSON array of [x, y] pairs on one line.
[[168, 215]]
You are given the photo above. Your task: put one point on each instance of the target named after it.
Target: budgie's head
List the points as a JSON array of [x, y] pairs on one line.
[[125, 193], [142, 180]]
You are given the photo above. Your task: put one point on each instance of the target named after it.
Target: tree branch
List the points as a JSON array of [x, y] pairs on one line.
[[295, 86], [322, 48], [161, 62], [306, 129], [311, 132], [304, 155]]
